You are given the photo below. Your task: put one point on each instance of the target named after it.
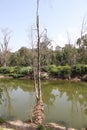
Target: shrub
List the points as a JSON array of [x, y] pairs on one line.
[[65, 72], [16, 75], [78, 70], [60, 71], [45, 68], [40, 127], [2, 120], [21, 71], [17, 69], [25, 70], [53, 70], [4, 70], [85, 69]]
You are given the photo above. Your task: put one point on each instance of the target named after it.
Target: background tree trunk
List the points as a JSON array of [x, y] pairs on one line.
[[4, 46]]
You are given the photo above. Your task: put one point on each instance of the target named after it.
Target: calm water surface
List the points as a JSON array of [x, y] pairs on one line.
[[65, 102]]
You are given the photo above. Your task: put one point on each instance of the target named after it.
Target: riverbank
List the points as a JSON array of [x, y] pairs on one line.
[[47, 72], [67, 93], [76, 79], [19, 125]]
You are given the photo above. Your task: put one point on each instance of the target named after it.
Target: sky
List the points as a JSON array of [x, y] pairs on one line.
[[59, 17]]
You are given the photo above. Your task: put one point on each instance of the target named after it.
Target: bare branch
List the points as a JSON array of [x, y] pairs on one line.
[[4, 45], [68, 37], [84, 27]]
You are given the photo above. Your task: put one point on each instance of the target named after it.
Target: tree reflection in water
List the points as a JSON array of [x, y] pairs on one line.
[[64, 101], [76, 94], [7, 98], [1, 90]]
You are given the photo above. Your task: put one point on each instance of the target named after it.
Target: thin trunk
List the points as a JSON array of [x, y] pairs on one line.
[[34, 65], [38, 44], [38, 110]]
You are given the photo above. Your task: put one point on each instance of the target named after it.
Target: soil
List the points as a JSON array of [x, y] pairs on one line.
[[75, 79], [19, 125]]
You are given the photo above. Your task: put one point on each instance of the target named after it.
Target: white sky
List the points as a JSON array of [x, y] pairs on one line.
[[58, 16]]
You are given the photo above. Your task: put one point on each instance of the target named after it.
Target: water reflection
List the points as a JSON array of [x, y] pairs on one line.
[[65, 102], [69, 103], [15, 99], [1, 100]]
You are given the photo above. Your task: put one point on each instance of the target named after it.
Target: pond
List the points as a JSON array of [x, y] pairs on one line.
[[65, 102]]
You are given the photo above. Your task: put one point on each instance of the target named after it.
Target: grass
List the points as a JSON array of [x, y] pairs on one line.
[[41, 127], [5, 128], [2, 120]]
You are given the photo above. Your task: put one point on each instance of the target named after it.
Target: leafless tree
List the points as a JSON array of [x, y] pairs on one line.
[[4, 46], [84, 27], [82, 32], [38, 45], [37, 114]]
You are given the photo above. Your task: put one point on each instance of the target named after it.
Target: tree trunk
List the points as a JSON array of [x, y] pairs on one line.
[[38, 110], [38, 61]]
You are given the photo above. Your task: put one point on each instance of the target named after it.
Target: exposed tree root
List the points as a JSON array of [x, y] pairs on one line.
[[38, 113]]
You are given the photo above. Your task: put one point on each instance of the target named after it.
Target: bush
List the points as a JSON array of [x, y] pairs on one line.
[[41, 127], [21, 71], [16, 75], [60, 71], [16, 71], [45, 68], [85, 69], [53, 70], [4, 70], [78, 70], [65, 72], [26, 70], [2, 120]]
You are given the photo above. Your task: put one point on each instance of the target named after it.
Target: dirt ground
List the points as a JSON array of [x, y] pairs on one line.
[[19, 125]]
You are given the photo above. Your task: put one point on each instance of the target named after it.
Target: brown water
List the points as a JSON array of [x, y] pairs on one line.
[[65, 102]]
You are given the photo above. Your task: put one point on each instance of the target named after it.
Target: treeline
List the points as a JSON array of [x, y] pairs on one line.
[[68, 61], [68, 55]]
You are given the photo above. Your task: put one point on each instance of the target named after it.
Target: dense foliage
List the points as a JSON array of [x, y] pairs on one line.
[[68, 55], [69, 61], [50, 71], [16, 71]]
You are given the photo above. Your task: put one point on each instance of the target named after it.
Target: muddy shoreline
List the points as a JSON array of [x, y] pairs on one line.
[[19, 125]]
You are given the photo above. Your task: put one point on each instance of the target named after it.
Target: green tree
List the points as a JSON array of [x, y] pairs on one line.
[[59, 56], [13, 59], [69, 54], [82, 50], [24, 56], [45, 50]]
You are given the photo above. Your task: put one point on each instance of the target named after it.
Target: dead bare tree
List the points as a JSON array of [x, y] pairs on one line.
[[38, 110], [38, 45], [84, 27], [4, 46], [82, 32]]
